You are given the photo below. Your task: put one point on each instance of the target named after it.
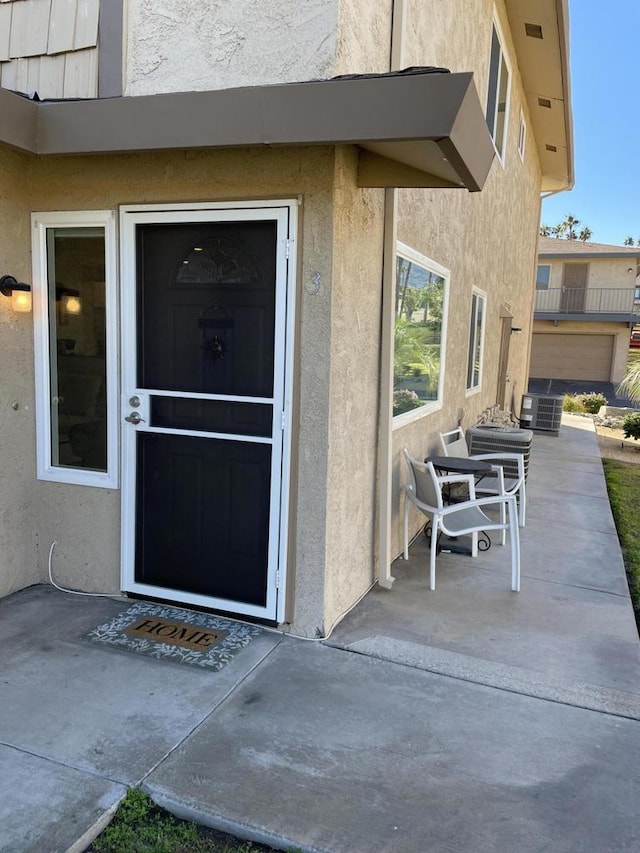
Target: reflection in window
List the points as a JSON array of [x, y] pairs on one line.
[[498, 94], [77, 347], [543, 276], [222, 260], [419, 338], [476, 338]]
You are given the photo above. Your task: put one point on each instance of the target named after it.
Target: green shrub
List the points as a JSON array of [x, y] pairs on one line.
[[404, 401], [592, 402], [572, 403], [631, 425]]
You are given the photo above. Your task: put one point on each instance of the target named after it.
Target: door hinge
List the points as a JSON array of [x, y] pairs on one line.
[[283, 420], [277, 578], [287, 248]]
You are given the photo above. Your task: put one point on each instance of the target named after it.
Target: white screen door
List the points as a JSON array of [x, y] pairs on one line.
[[205, 406]]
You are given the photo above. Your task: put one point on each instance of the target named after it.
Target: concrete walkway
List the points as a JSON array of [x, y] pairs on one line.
[[468, 719]]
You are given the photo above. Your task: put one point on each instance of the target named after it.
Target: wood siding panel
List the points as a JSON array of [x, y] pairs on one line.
[[51, 82], [33, 74], [86, 24], [29, 28], [80, 74], [5, 32], [22, 74], [62, 25], [8, 79]]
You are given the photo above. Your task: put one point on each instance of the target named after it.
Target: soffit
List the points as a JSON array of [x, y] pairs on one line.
[[544, 68], [420, 129]]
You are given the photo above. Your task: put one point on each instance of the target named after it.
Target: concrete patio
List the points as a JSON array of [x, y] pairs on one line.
[[469, 719]]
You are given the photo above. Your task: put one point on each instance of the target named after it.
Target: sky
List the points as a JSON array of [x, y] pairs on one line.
[[605, 82]]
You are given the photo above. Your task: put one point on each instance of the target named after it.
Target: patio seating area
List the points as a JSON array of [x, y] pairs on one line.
[[570, 632]]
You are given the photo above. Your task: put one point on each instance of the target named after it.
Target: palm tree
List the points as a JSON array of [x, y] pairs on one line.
[[630, 385], [570, 224], [545, 230], [585, 234], [628, 241], [558, 230]]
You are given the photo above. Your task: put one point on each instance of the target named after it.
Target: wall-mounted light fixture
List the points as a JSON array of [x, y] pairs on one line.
[[19, 292]]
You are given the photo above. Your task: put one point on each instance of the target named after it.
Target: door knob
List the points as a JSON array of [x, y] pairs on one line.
[[134, 418]]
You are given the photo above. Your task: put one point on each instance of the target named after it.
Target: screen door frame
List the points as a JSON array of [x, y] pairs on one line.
[[284, 213]]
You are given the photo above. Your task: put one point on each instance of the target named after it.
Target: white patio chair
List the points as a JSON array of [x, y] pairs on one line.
[[424, 492], [454, 443]]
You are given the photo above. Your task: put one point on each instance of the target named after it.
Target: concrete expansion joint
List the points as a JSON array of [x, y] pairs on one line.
[[66, 764], [232, 690], [517, 681], [585, 587]]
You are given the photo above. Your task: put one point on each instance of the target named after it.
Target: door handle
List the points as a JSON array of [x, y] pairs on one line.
[[134, 418]]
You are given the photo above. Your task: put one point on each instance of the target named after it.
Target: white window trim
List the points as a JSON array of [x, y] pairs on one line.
[[46, 470], [522, 136], [496, 23], [481, 294], [417, 257]]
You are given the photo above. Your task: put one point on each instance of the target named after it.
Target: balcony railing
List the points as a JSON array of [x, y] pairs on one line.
[[592, 300]]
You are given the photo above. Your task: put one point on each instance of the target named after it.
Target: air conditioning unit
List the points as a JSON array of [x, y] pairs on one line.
[[542, 413], [488, 438]]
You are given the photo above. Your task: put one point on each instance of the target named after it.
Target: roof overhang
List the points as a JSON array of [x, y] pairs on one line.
[[588, 256], [543, 60], [412, 130]]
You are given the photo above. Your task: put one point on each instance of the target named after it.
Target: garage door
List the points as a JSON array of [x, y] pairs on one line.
[[586, 357]]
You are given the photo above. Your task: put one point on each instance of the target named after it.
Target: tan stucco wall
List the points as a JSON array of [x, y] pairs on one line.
[[85, 522], [575, 327], [486, 239], [18, 555], [364, 37], [184, 46], [603, 272], [356, 279], [250, 42]]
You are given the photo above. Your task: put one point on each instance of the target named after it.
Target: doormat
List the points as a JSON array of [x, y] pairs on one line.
[[174, 634]]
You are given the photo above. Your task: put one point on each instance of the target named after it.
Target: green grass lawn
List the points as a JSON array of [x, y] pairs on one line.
[[139, 826], [623, 485]]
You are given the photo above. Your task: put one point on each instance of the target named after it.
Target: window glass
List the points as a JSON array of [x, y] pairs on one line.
[[522, 136], [498, 94], [74, 325], [419, 332], [543, 276], [476, 339], [77, 345]]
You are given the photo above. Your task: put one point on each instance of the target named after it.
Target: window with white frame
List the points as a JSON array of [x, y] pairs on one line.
[[522, 136], [476, 340], [419, 334], [498, 93], [75, 317], [543, 276]]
